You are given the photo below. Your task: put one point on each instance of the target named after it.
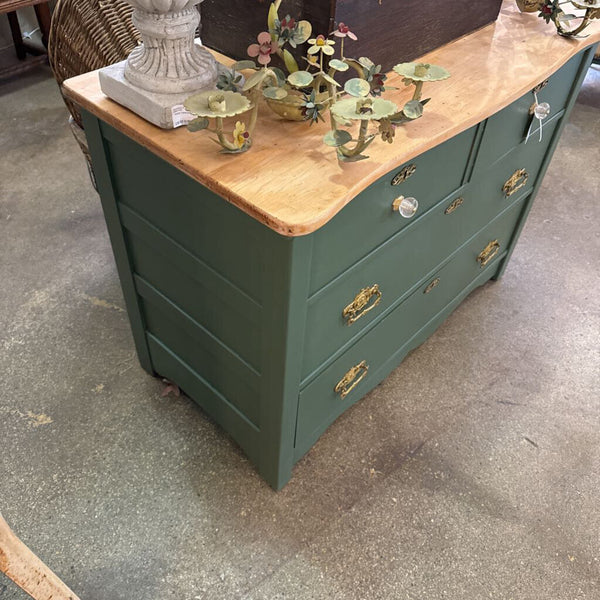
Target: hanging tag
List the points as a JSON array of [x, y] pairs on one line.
[[541, 111]]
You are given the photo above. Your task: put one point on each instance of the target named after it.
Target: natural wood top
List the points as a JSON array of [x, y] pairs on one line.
[[293, 183]]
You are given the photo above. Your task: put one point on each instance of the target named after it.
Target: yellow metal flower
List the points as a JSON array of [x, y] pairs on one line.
[[321, 44], [240, 136]]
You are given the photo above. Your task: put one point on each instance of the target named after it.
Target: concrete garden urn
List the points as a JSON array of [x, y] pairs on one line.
[[169, 61], [167, 67]]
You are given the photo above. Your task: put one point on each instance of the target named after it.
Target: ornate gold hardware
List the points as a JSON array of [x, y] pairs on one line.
[[456, 204], [407, 172], [518, 180], [538, 88], [362, 304], [529, 5], [432, 285], [352, 378], [488, 253]]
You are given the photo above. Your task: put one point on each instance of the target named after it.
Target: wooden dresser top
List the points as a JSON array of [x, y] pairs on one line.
[[294, 184]]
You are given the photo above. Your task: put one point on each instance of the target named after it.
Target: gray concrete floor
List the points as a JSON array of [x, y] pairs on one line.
[[472, 472]]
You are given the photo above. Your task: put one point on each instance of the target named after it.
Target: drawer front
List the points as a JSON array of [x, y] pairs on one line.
[[369, 219], [325, 398], [339, 312], [508, 128], [516, 173]]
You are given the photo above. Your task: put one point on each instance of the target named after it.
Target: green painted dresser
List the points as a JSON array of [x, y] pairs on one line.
[[276, 335]]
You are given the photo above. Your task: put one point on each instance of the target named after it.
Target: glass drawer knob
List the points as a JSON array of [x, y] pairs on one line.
[[407, 207], [542, 111]]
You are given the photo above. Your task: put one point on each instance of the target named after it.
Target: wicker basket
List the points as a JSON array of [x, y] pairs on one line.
[[86, 35]]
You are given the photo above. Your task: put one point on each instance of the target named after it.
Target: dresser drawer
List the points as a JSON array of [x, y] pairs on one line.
[[325, 398], [341, 310], [516, 173], [508, 128], [369, 219]]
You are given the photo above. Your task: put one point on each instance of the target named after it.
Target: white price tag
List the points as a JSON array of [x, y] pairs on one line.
[[181, 116]]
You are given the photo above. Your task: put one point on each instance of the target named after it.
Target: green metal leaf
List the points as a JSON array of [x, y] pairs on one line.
[[413, 109], [275, 93], [240, 65], [338, 65], [255, 80], [357, 87], [290, 62], [304, 32], [356, 158], [280, 75], [330, 80], [301, 78], [273, 14], [198, 124], [342, 121], [337, 138], [366, 62]]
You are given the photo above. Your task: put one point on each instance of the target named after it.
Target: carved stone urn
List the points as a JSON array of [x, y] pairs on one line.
[[167, 67], [169, 61]]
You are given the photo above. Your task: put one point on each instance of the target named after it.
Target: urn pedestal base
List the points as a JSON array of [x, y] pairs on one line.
[[160, 109], [156, 108]]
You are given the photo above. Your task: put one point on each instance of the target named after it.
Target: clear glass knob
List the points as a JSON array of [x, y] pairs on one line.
[[407, 207], [542, 111]]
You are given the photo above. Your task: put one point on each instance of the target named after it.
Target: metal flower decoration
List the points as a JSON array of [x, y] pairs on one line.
[[419, 73], [264, 49], [308, 94], [220, 105], [568, 24]]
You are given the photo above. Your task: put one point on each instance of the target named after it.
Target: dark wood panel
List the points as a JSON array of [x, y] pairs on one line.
[[230, 27], [389, 32], [400, 30]]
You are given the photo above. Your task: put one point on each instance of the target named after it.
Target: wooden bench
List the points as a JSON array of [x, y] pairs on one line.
[[22, 48]]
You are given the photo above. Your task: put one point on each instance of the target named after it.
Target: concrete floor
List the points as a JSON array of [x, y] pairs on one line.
[[472, 472]]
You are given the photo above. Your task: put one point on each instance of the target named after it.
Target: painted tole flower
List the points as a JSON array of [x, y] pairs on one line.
[[344, 31], [241, 138], [549, 10], [321, 44], [264, 49], [216, 104], [364, 109], [421, 72], [387, 130], [311, 109], [229, 80], [290, 30]]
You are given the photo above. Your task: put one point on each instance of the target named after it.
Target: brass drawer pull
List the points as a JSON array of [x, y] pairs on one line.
[[518, 180], [538, 88], [432, 285], [406, 207], [488, 253], [366, 300], [407, 172], [456, 204], [352, 378]]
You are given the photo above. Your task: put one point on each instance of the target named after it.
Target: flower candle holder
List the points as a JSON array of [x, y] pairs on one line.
[[166, 67], [570, 18]]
